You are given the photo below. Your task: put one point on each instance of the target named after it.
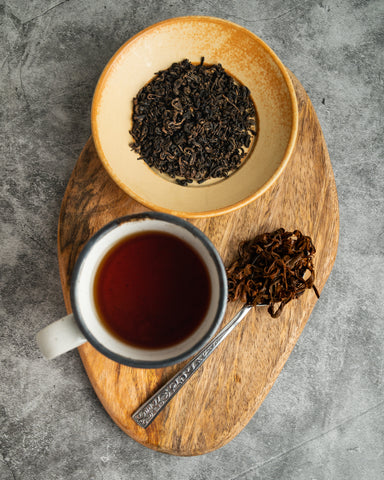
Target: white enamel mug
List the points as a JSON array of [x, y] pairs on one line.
[[84, 323]]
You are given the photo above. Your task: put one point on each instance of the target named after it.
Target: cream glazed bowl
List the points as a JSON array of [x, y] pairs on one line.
[[245, 57]]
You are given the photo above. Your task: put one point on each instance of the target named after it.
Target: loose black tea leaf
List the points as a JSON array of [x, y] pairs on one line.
[[193, 122], [274, 268]]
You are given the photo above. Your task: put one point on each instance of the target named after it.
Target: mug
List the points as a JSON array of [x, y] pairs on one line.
[[86, 323]]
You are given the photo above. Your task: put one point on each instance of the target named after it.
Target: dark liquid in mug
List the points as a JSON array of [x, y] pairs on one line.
[[152, 290]]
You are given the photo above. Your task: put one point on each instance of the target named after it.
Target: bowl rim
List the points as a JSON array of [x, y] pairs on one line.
[[205, 213]]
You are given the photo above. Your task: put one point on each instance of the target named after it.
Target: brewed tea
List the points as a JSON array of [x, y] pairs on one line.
[[152, 290]]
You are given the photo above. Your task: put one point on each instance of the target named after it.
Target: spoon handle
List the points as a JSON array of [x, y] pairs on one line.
[[145, 414]]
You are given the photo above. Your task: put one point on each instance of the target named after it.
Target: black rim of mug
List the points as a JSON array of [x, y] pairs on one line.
[[223, 290]]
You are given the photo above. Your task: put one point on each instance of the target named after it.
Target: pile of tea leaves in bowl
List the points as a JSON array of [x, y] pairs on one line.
[[193, 122], [272, 269]]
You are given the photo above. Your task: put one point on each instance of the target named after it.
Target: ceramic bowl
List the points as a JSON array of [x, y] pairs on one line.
[[244, 56]]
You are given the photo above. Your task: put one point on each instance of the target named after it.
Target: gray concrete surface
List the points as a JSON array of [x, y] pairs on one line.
[[324, 417]]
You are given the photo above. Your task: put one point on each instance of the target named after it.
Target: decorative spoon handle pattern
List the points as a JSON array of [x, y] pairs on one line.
[[153, 406]]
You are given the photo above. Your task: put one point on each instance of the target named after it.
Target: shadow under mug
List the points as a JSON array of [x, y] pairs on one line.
[[84, 323]]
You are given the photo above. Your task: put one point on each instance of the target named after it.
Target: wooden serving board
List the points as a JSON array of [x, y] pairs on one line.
[[221, 398]]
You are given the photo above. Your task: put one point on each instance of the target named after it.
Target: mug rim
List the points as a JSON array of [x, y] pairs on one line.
[[223, 290]]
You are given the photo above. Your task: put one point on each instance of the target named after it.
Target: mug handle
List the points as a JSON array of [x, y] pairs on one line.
[[60, 337]]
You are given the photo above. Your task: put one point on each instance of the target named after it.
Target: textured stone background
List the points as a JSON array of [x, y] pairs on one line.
[[324, 417]]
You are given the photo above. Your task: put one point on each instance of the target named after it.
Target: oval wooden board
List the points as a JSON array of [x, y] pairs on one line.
[[225, 393]]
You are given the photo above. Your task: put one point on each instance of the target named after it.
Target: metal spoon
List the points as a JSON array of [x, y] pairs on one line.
[[154, 405]]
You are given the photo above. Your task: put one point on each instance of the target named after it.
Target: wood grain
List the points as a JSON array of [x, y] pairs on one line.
[[226, 392]]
